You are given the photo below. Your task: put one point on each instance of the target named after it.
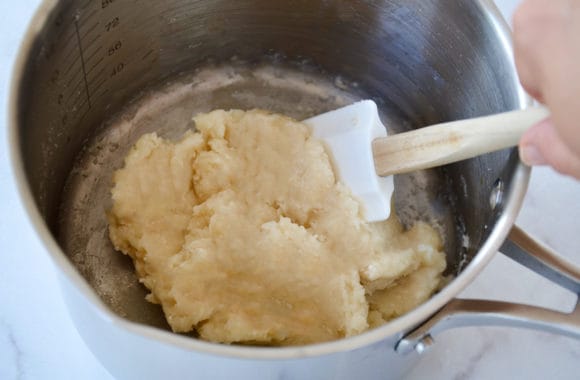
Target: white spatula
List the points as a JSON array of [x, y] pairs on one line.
[[365, 158]]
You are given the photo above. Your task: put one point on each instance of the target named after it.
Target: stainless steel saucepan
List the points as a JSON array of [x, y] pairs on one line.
[[92, 76]]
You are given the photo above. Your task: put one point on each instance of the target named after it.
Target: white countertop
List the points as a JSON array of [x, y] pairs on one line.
[[39, 341]]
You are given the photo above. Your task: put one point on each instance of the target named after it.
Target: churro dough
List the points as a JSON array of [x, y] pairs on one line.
[[242, 233]]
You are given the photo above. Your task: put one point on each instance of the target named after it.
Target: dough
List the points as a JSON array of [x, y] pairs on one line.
[[242, 233]]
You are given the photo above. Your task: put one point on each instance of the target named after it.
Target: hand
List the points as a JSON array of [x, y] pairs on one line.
[[547, 54]]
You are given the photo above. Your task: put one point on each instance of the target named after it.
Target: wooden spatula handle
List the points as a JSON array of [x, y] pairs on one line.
[[445, 143]]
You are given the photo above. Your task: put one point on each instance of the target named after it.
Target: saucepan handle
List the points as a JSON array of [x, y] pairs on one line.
[[471, 312]]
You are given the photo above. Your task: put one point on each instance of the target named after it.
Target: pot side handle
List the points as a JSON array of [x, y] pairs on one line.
[[473, 312]]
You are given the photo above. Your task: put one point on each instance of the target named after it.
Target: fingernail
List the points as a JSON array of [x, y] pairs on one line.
[[531, 156]]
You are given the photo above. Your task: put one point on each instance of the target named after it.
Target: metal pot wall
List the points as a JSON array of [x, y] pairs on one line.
[[84, 65]]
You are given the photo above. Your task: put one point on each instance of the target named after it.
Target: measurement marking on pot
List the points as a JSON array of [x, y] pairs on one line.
[[92, 55], [74, 91], [66, 44], [69, 43], [74, 77], [80, 105], [146, 55], [86, 4], [98, 86], [68, 51], [97, 63], [102, 93], [91, 14], [114, 47], [178, 8], [93, 40], [106, 3], [117, 69], [100, 96], [77, 102], [84, 114], [83, 63], [98, 75], [89, 30], [73, 63], [112, 24]]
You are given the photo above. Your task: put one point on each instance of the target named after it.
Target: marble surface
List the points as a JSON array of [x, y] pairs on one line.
[[38, 340]]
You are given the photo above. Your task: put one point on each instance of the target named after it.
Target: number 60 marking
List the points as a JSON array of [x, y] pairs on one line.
[[116, 46]]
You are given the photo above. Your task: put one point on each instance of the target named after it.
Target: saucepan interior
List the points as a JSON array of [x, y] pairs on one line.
[[100, 74]]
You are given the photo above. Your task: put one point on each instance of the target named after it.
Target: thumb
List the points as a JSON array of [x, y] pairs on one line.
[[541, 145]]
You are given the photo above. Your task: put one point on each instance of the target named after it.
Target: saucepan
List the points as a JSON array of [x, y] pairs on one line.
[[92, 76]]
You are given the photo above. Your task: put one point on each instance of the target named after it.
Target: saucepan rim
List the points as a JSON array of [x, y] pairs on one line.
[[395, 328]]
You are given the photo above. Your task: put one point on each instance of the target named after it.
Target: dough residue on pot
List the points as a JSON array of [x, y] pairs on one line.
[[242, 233]]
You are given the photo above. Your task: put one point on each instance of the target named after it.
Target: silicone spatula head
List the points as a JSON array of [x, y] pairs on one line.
[[348, 133]]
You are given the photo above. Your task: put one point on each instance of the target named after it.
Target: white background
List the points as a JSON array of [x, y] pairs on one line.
[[38, 340]]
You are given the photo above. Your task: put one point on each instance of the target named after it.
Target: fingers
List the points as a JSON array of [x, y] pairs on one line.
[[526, 61], [547, 55], [541, 145], [537, 24]]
